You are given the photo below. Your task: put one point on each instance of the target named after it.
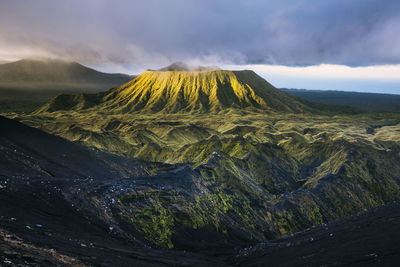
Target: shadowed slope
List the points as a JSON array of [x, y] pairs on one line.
[[45, 222], [23, 147], [55, 71], [27, 84], [369, 238]]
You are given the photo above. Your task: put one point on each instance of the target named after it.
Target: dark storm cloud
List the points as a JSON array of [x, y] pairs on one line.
[[357, 32]]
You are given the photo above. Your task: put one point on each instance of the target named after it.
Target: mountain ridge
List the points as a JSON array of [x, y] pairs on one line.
[[364, 101], [28, 84], [203, 90], [55, 71]]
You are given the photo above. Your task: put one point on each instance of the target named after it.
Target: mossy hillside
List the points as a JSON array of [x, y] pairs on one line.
[[262, 175], [185, 91], [304, 142], [219, 205], [72, 102], [211, 214]]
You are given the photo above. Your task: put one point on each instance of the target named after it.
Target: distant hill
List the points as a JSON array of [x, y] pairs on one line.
[[57, 72], [27, 84], [372, 102], [170, 91]]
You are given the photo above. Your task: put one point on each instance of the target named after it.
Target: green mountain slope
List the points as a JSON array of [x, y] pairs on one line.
[[171, 91]]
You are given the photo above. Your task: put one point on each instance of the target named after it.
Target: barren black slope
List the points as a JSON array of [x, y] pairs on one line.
[[29, 149], [46, 214], [370, 238], [65, 204]]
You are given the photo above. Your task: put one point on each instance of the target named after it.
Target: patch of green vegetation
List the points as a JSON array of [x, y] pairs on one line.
[[157, 223]]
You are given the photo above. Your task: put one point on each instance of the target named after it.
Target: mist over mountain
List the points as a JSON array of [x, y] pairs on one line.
[[181, 66], [55, 71], [29, 83]]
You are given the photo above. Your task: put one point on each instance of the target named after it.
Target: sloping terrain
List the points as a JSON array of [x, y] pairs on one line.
[[58, 209], [44, 221], [260, 176], [27, 84], [171, 91], [55, 71], [369, 238]]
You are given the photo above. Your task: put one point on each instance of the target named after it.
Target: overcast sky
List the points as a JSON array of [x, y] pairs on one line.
[[279, 39]]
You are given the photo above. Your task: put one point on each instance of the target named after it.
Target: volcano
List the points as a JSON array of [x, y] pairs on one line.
[[178, 88]]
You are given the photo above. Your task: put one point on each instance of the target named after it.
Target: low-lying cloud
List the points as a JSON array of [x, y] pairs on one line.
[[155, 32]]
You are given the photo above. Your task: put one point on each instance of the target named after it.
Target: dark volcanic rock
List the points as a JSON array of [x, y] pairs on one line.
[[61, 203], [370, 238], [45, 220]]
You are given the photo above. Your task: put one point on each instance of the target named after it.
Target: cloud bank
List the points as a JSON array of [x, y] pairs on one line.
[[156, 32], [380, 79]]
